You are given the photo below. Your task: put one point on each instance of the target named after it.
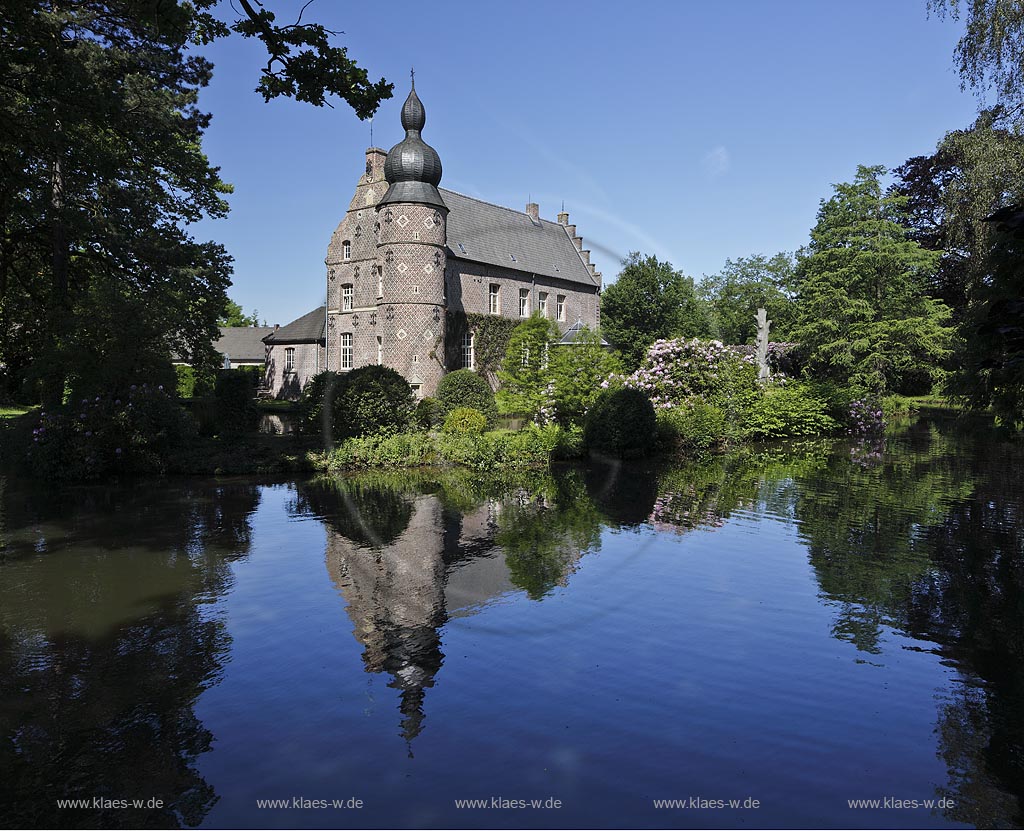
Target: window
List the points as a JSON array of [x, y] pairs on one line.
[[380, 281], [346, 350], [289, 359], [346, 250], [462, 248], [380, 349], [415, 289], [560, 307], [415, 359], [542, 303], [494, 299], [524, 302], [467, 351], [416, 388], [346, 297]]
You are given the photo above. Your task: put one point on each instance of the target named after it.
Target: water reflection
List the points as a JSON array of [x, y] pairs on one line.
[[113, 621], [105, 645]]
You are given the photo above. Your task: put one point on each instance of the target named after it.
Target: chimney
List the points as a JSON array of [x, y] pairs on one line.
[[375, 158], [533, 210], [563, 218]]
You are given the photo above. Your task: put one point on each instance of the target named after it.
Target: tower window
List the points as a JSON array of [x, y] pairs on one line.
[[346, 250], [380, 349], [494, 299], [346, 350], [347, 294], [524, 302], [380, 281], [542, 303], [560, 307], [467, 351]]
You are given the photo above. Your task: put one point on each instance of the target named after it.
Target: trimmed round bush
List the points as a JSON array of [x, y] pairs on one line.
[[370, 399], [465, 420], [621, 423], [429, 414], [464, 388]]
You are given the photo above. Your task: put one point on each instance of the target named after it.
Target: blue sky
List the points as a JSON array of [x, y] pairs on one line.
[[694, 131]]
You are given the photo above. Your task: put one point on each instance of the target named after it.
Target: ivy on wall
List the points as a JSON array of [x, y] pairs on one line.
[[490, 340]]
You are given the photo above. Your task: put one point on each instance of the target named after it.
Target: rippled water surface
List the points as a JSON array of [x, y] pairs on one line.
[[800, 626]]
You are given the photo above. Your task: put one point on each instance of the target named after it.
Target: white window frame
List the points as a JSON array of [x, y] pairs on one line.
[[468, 351], [289, 359], [524, 302], [380, 349], [560, 306], [542, 303], [348, 294], [346, 250], [347, 350], [380, 281], [494, 299]]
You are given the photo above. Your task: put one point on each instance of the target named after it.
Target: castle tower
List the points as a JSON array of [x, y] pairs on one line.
[[411, 241]]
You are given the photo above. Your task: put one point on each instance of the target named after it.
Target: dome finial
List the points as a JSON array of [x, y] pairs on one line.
[[412, 74]]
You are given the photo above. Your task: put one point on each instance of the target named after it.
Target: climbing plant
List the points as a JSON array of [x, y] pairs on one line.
[[490, 340]]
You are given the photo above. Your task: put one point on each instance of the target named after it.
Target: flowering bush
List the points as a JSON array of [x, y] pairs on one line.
[[866, 417], [676, 370], [132, 432]]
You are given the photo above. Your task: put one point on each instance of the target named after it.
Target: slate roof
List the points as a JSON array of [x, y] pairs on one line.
[[242, 343], [307, 329], [481, 232]]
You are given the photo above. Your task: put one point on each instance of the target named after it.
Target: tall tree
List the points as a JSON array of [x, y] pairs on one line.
[[949, 194], [863, 315], [746, 284], [103, 171], [990, 54], [650, 300], [235, 316], [524, 373]]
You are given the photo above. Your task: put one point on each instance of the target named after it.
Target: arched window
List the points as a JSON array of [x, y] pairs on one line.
[[346, 250], [467, 351], [346, 350]]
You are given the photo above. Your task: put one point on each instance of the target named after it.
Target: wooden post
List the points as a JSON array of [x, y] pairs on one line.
[[763, 324]]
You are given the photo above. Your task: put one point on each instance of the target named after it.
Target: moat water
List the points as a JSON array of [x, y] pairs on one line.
[[792, 628]]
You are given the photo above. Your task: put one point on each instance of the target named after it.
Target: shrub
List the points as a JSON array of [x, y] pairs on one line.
[[311, 408], [694, 427], [465, 420], [791, 410], [137, 431], [235, 406], [676, 370], [192, 384], [621, 423], [370, 399], [464, 388], [429, 414]]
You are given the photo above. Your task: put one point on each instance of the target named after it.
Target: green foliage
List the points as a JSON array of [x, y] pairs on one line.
[[234, 396], [524, 371], [530, 448], [621, 423], [193, 384], [314, 417], [464, 388], [429, 413], [139, 430], [693, 427], [234, 316], [104, 174], [675, 371], [990, 53], [576, 374], [863, 317], [650, 300], [790, 410], [491, 334], [370, 399], [465, 420], [743, 286]]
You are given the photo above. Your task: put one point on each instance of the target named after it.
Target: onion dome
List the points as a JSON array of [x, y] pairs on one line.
[[413, 168]]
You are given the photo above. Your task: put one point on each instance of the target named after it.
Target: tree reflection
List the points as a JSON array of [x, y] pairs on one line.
[[105, 647]]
